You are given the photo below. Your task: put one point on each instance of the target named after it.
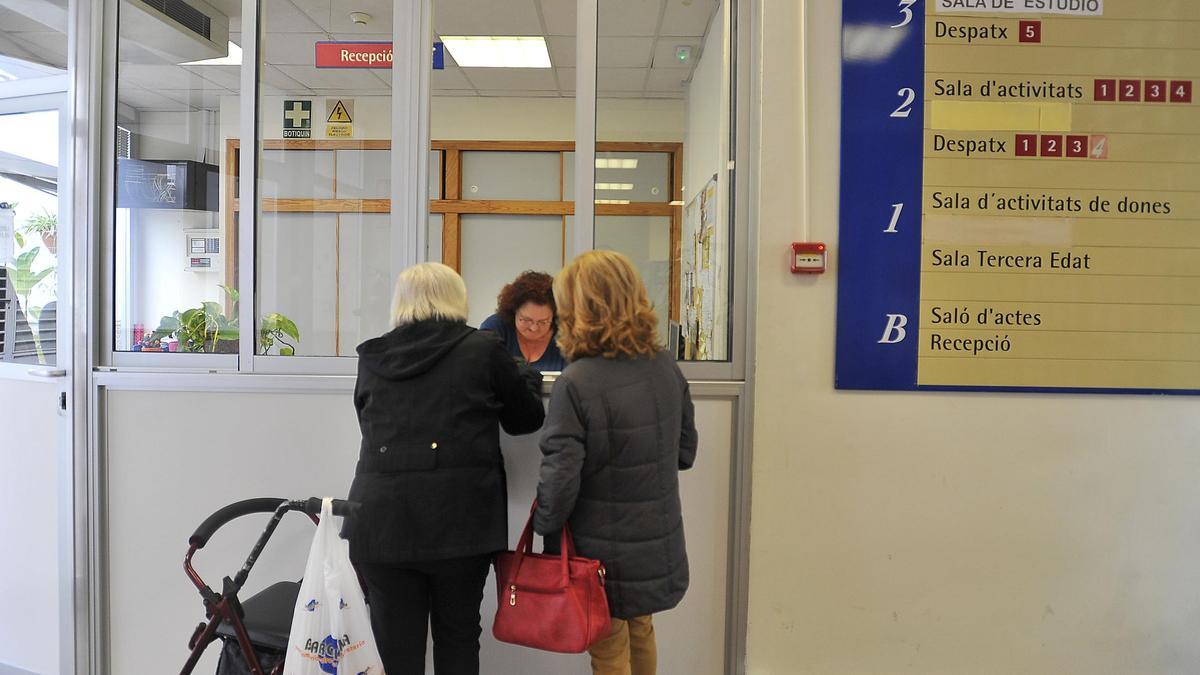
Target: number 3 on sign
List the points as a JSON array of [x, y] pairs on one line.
[[906, 107], [906, 11]]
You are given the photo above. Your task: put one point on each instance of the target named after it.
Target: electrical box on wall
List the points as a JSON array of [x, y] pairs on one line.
[[808, 257], [204, 250]]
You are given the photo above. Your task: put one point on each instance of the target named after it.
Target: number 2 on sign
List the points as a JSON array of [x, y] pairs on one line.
[[906, 11], [905, 107]]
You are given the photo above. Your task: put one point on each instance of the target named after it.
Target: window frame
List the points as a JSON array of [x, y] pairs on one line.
[[412, 27]]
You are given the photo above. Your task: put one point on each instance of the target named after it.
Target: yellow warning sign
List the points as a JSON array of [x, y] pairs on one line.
[[339, 130], [340, 112]]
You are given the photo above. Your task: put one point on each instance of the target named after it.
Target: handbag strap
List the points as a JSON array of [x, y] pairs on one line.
[[525, 547]]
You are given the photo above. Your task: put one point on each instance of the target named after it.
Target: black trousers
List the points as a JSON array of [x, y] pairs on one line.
[[405, 598]]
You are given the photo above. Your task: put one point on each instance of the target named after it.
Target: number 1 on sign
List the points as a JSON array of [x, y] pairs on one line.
[[897, 209], [906, 12]]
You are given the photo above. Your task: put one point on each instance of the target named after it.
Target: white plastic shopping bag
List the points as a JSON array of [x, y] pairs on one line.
[[331, 626]]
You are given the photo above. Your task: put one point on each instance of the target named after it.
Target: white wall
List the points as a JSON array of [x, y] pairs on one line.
[[29, 573], [941, 533], [175, 457]]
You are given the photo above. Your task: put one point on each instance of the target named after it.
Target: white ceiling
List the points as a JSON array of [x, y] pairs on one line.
[[636, 50]]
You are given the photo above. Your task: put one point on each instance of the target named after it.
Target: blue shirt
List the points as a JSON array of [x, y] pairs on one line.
[[552, 359]]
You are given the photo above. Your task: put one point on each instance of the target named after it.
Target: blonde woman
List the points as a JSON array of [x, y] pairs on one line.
[[618, 431], [431, 397]]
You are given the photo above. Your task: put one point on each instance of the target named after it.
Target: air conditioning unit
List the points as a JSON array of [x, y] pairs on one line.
[[180, 30]]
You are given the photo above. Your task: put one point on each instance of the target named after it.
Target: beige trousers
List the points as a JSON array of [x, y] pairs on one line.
[[629, 650]]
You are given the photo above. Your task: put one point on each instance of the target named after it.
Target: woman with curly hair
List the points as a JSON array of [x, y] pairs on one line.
[[618, 432], [524, 320]]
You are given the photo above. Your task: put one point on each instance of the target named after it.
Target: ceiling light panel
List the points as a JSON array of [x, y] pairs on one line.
[[616, 163], [490, 51], [614, 186]]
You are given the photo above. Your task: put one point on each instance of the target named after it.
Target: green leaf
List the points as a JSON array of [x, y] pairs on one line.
[[289, 327], [286, 351], [20, 239]]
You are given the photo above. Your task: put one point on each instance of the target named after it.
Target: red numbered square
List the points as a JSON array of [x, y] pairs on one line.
[[1027, 145], [1077, 146], [1106, 90], [1181, 91], [1156, 91], [1052, 146], [1129, 90], [1098, 147], [1031, 31]]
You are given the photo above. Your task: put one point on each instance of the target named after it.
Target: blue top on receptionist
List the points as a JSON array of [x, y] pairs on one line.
[[551, 359]]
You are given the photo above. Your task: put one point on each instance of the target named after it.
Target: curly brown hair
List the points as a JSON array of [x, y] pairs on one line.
[[529, 286], [605, 310]]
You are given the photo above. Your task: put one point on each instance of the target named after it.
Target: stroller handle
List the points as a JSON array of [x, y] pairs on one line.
[[222, 516]]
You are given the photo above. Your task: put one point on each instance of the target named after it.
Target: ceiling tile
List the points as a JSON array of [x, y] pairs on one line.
[[490, 17], [201, 100], [14, 22], [450, 78], [528, 79], [49, 47], [624, 52], [560, 16], [622, 18], [620, 79], [562, 50], [228, 77], [380, 21], [159, 78], [142, 99], [566, 79], [664, 52], [282, 16], [332, 78], [274, 81], [291, 49], [688, 17], [667, 79]]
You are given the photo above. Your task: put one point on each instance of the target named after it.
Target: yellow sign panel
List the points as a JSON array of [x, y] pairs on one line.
[[1060, 231], [339, 130]]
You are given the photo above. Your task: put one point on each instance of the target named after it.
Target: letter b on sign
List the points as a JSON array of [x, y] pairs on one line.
[[894, 332]]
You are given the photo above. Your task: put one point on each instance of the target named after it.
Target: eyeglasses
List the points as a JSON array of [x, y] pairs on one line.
[[528, 322]]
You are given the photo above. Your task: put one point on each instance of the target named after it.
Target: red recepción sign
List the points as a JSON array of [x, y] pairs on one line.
[[354, 55]]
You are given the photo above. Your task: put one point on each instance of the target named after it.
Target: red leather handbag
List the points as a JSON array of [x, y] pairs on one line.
[[551, 602]]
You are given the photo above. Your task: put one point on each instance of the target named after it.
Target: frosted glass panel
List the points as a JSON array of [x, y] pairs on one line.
[[365, 288], [625, 176], [298, 275], [511, 175], [296, 174], [647, 242], [495, 249], [433, 242], [435, 174], [364, 174]]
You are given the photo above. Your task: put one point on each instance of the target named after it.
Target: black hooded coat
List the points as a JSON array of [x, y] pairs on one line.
[[431, 397]]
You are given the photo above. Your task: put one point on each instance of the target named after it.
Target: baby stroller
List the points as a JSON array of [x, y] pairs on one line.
[[255, 632]]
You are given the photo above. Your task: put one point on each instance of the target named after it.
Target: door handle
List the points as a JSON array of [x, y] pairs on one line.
[[48, 373]]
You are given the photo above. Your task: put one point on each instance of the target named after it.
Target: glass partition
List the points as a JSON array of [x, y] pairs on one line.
[[324, 236], [178, 89], [664, 78], [503, 114], [33, 145]]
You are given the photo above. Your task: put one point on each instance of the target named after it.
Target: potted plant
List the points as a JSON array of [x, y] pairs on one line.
[[208, 329], [45, 225]]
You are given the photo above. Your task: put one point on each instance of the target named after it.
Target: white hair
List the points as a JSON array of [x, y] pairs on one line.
[[429, 291]]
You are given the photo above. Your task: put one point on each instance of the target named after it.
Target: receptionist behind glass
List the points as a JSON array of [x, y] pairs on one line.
[[525, 320]]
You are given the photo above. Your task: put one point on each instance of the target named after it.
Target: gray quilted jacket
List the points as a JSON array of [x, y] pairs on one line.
[[618, 431]]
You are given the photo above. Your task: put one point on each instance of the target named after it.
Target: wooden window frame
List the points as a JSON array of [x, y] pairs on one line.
[[453, 207]]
